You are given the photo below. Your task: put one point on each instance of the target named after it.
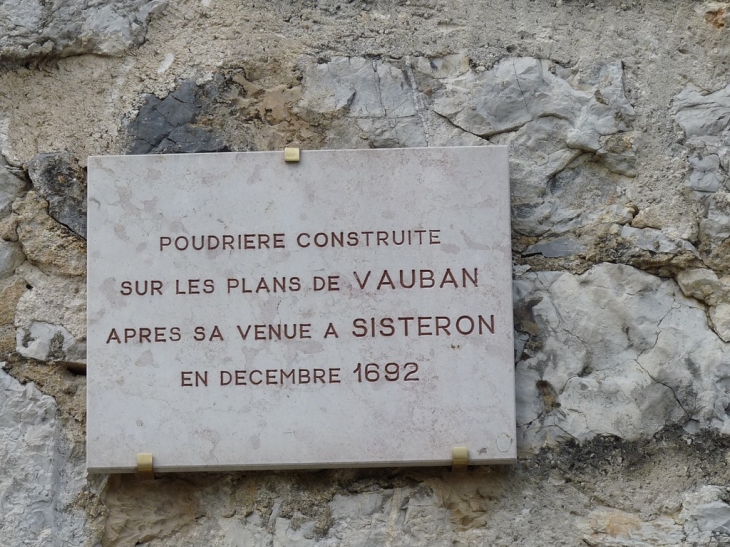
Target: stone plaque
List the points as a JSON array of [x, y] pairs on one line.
[[352, 309]]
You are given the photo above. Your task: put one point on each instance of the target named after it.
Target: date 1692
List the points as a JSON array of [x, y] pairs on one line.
[[390, 372]]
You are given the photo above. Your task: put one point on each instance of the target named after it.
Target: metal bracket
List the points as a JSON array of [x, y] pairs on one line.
[[291, 155], [144, 466], [459, 458]]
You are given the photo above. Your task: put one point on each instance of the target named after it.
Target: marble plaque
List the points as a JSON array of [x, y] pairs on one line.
[[352, 309]]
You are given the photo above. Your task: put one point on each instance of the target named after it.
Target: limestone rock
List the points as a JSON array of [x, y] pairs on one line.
[[704, 285], [8, 228], [614, 351], [703, 115], [715, 233], [35, 28], [62, 183], [703, 520], [618, 154], [444, 67], [706, 515], [51, 343], [39, 478], [11, 256], [7, 339], [720, 318], [11, 290], [560, 120], [374, 93], [577, 196], [138, 514], [359, 87], [46, 243], [11, 186], [655, 241], [388, 133], [609, 527], [51, 317], [704, 119], [526, 89], [400, 516], [570, 135], [563, 246], [706, 175]]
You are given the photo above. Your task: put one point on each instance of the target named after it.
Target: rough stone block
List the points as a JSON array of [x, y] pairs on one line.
[[45, 242], [34, 28], [62, 183]]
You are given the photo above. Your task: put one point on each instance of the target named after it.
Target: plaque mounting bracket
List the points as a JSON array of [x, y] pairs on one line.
[[145, 470], [459, 458], [291, 155]]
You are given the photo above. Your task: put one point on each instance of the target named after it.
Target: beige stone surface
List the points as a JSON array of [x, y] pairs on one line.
[[50, 316], [11, 290], [47, 244]]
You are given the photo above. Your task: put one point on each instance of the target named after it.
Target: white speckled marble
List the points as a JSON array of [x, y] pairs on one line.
[[142, 348]]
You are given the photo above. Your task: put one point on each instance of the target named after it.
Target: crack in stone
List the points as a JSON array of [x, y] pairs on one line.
[[670, 388], [517, 79], [643, 352], [417, 98], [466, 130], [380, 91]]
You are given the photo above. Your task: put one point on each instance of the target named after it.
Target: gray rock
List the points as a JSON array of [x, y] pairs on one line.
[[35, 28], [617, 154], [601, 528], [443, 67], [39, 478], [720, 320], [703, 115], [50, 319], [556, 186], [555, 129], [537, 153], [45, 242], [11, 186], [706, 513], [368, 519], [51, 343], [517, 91], [169, 125], [11, 256], [704, 285], [704, 520], [655, 241], [705, 175], [715, 228], [359, 87], [614, 351], [563, 246], [575, 196], [705, 119], [393, 133], [62, 183], [714, 232], [375, 94]]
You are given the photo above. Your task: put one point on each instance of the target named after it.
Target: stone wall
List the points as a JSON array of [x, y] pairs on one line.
[[617, 115]]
